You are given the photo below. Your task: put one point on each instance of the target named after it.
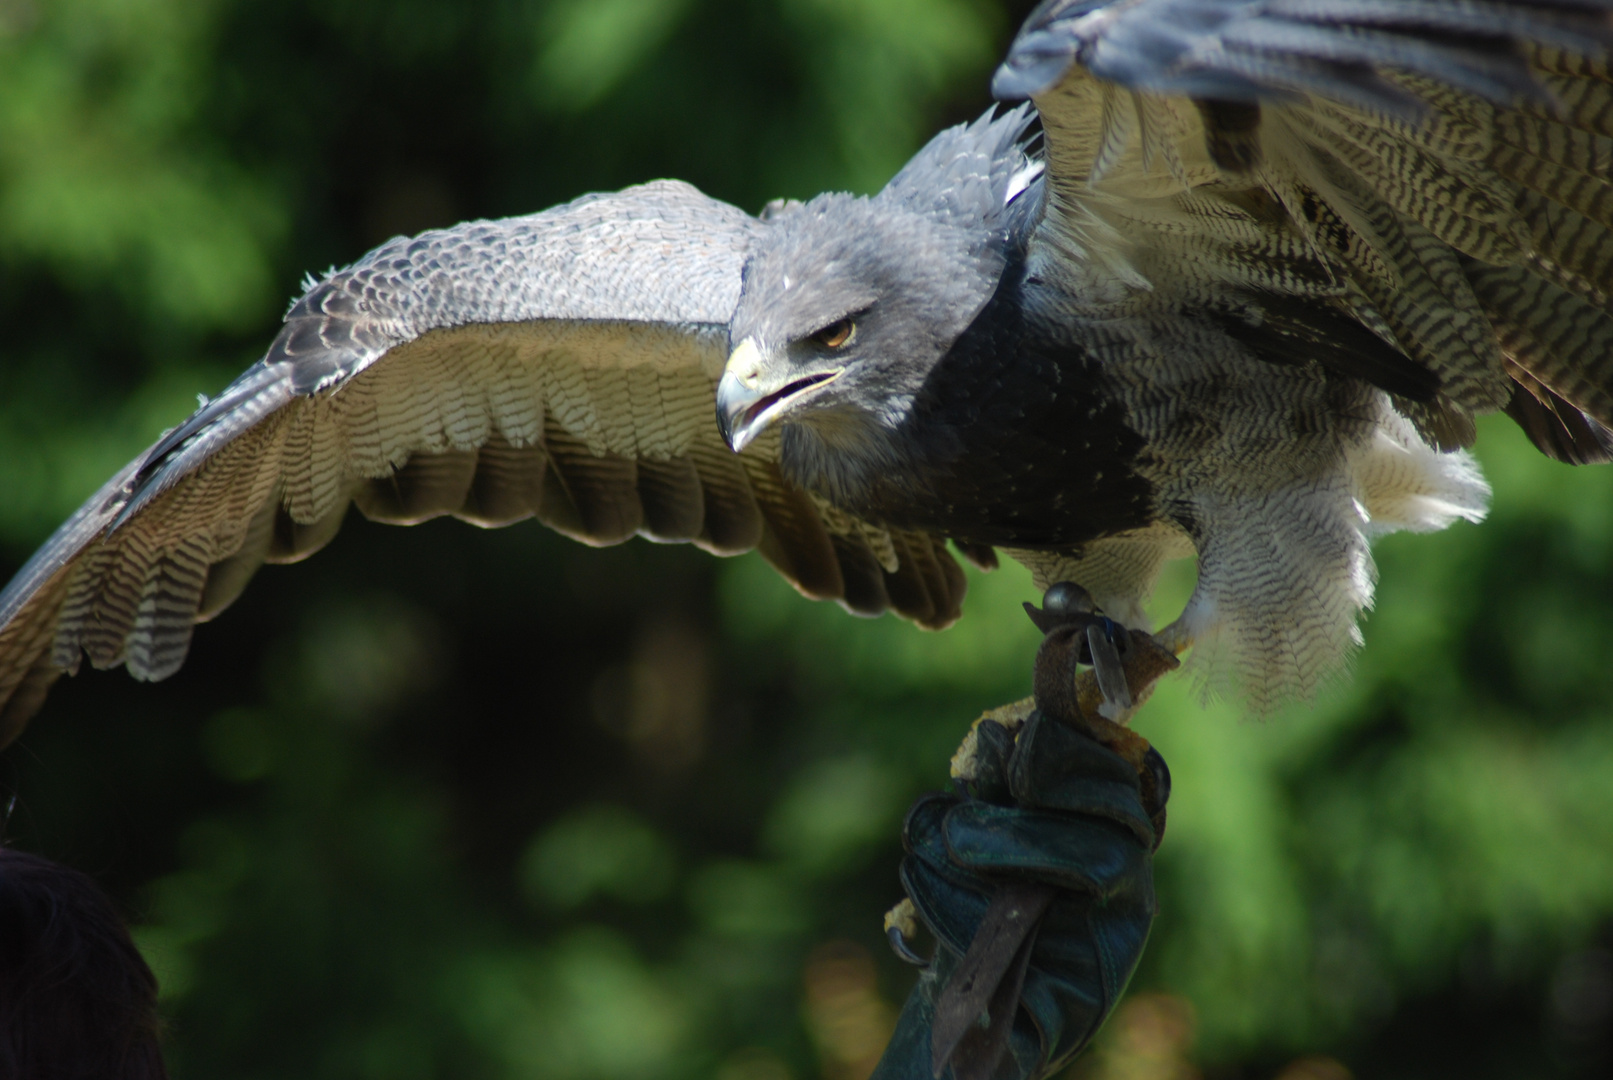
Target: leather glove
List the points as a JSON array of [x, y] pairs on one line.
[[1036, 876]]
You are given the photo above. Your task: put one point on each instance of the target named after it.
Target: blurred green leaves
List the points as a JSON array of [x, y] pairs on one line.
[[900, 53], [241, 745], [835, 812], [585, 1006], [749, 900], [360, 658], [600, 850], [106, 175], [586, 47]]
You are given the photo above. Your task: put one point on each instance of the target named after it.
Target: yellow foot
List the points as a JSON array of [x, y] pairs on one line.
[[1175, 637]]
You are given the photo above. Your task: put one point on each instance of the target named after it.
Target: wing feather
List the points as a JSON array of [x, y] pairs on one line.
[[227, 578], [560, 366], [1405, 144], [1563, 341]]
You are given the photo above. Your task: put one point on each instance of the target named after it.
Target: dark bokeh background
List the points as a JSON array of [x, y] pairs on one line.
[[450, 803]]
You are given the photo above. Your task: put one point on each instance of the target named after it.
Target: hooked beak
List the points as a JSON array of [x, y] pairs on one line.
[[745, 407]]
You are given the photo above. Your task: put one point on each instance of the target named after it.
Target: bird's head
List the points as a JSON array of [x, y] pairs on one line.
[[847, 305]]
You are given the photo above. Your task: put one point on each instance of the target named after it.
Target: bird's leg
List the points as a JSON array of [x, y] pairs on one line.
[[1090, 670], [1176, 637], [1079, 696]]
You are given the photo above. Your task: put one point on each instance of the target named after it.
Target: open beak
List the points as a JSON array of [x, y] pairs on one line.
[[744, 404]]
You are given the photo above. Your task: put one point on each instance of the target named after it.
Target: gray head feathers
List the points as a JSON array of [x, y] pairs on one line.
[[965, 175], [910, 268], [931, 245]]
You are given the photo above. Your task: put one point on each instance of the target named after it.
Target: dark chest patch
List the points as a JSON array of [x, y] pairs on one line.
[[1013, 442]]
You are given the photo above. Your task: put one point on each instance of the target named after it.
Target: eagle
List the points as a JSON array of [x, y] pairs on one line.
[[1232, 283]]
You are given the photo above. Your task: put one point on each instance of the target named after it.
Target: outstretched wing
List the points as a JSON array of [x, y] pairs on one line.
[[1440, 171], [559, 366]]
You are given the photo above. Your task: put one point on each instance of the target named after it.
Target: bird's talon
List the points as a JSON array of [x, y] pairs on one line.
[[1175, 637], [901, 926], [903, 951]]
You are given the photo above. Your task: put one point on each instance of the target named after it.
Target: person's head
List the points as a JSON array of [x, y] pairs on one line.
[[76, 998]]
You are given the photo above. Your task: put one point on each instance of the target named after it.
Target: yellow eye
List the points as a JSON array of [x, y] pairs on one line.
[[836, 335]]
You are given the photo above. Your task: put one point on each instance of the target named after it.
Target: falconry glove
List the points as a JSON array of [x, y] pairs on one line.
[[1036, 877]]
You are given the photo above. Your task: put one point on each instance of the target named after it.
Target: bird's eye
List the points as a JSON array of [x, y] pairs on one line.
[[837, 335]]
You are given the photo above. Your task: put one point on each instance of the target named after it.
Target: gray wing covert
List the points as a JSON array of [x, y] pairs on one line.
[[559, 366], [1440, 171]]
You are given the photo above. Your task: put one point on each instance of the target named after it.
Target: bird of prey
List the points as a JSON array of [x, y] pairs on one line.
[[1233, 285]]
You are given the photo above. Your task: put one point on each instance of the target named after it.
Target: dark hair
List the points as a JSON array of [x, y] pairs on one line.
[[77, 1000]]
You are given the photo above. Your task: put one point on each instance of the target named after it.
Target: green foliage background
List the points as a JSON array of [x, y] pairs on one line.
[[443, 803]]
